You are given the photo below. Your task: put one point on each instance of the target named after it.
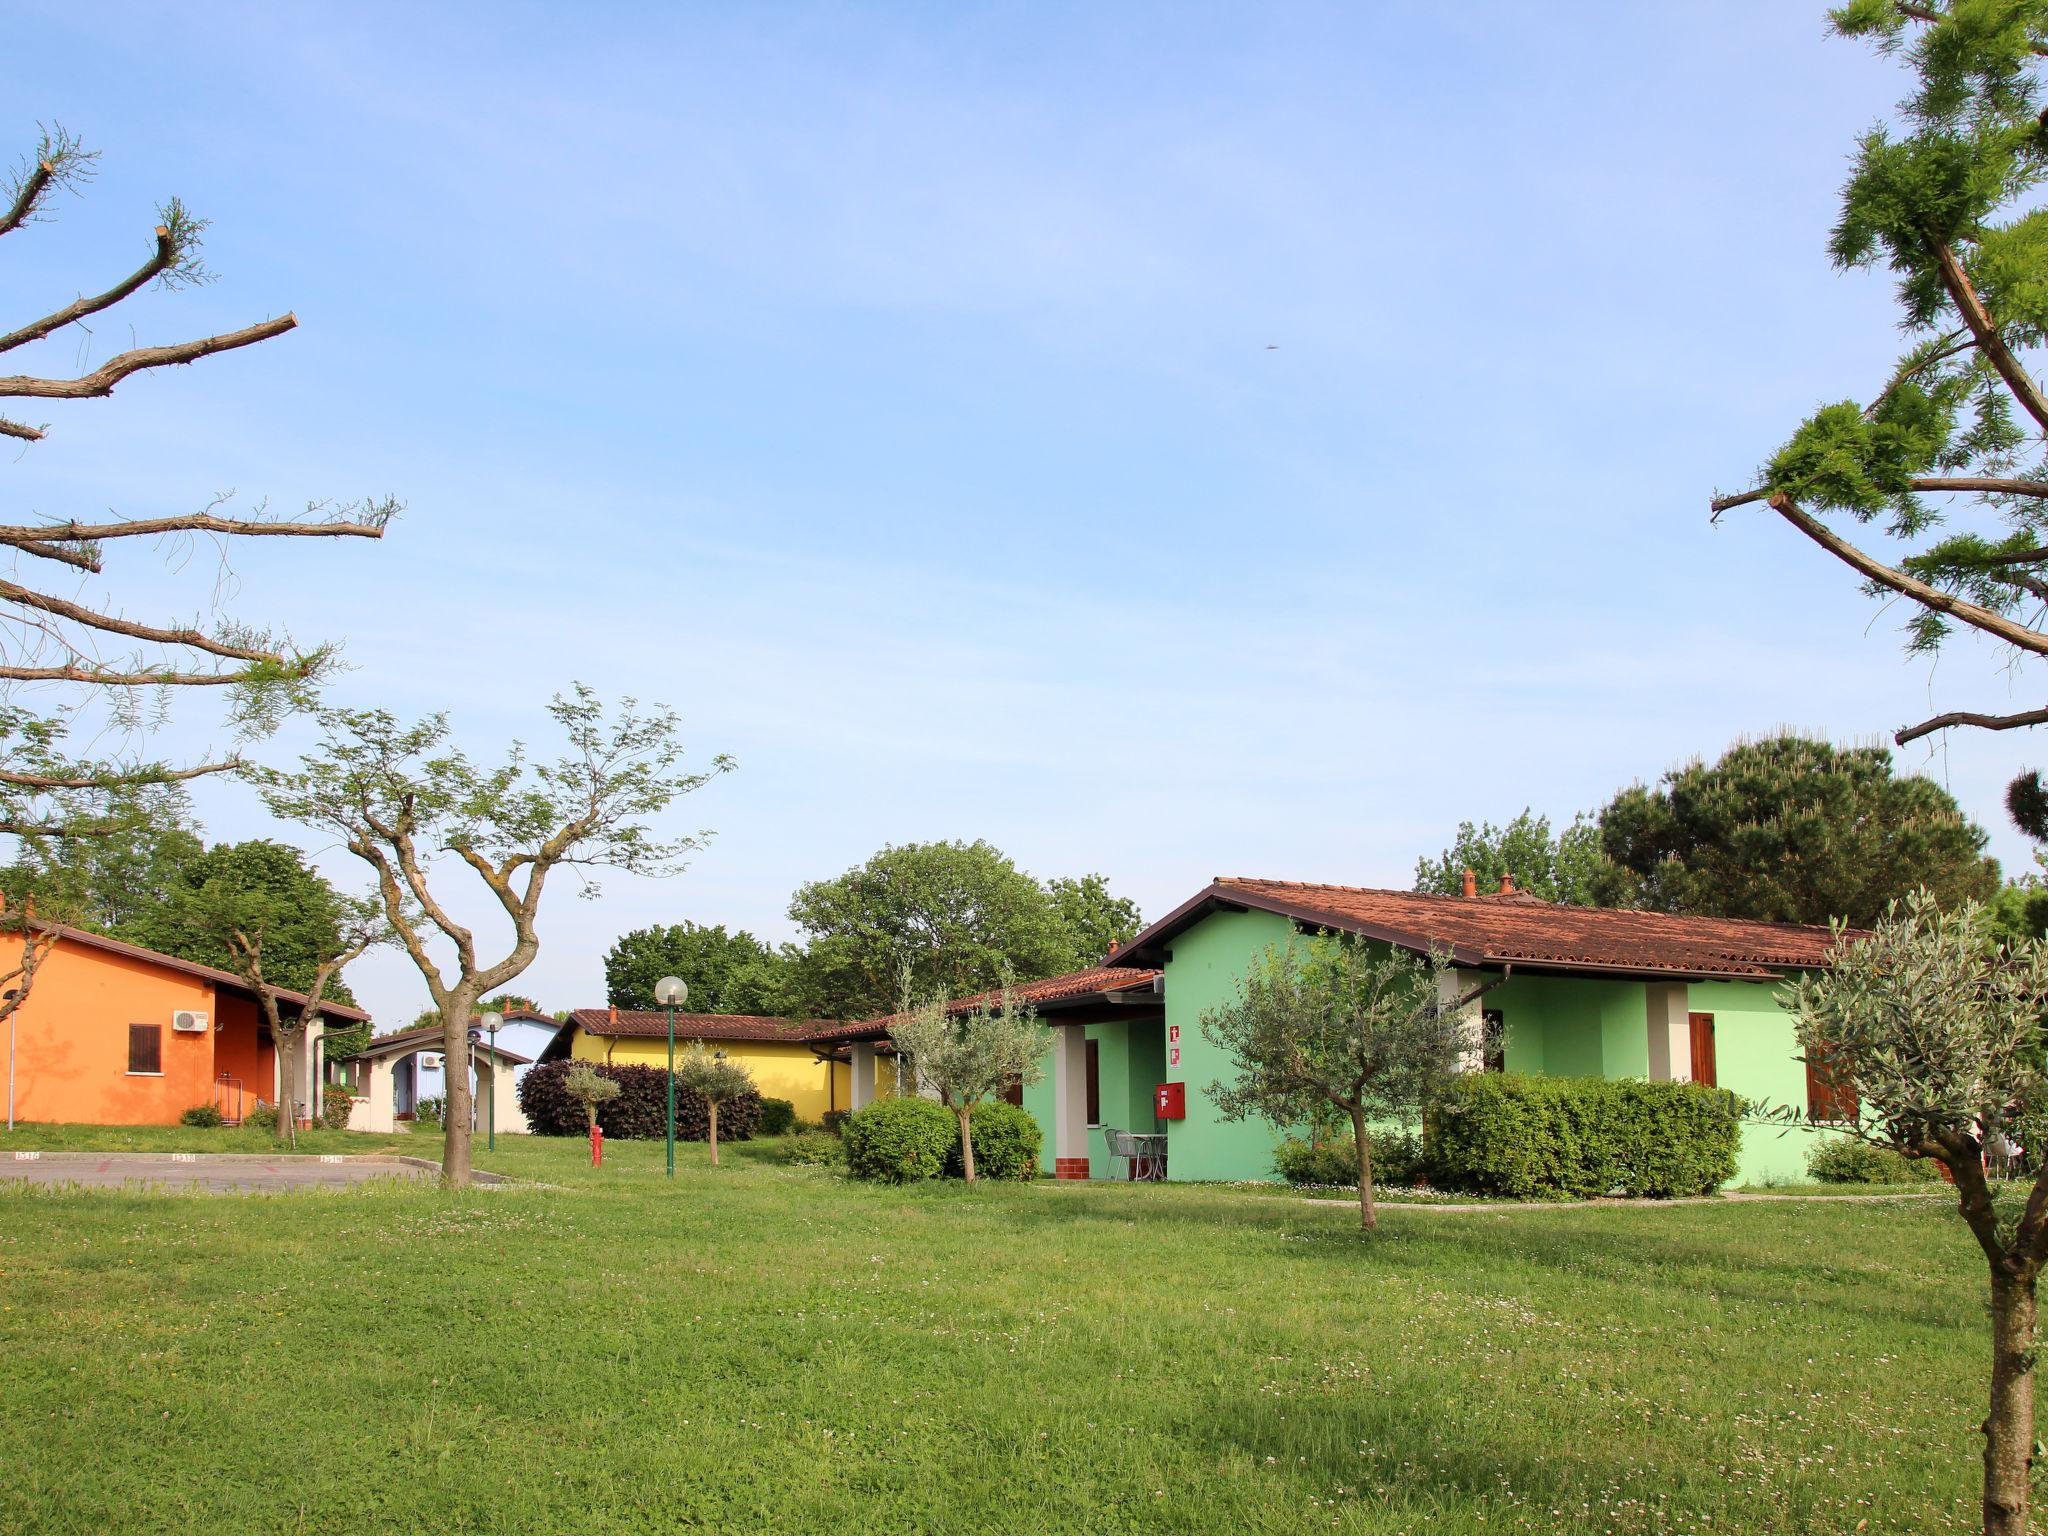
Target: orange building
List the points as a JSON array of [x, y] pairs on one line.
[[114, 1034]]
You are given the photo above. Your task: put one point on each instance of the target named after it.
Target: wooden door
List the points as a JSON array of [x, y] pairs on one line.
[[1703, 1048]]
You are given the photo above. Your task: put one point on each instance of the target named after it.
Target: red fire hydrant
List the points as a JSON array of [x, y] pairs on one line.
[[597, 1146]]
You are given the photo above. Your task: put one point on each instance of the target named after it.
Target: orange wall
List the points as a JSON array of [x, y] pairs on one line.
[[71, 1041], [235, 1050]]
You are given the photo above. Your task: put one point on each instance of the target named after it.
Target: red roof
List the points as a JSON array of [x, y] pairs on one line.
[[425, 1038], [643, 1022], [1092, 982], [1491, 931]]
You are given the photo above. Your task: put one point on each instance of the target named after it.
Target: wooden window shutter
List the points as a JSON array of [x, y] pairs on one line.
[[1827, 1102], [145, 1048], [1703, 1048], [1094, 1082]]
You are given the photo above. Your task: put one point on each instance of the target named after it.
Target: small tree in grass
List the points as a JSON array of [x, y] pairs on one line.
[[972, 1054], [1335, 1023], [1927, 1037], [714, 1079], [588, 1087]]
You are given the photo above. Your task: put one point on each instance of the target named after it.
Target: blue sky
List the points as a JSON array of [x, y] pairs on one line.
[[1162, 440]]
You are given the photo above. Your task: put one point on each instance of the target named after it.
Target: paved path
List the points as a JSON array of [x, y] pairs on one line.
[[218, 1173]]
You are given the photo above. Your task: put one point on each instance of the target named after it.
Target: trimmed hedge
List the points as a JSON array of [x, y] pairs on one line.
[[899, 1141], [1396, 1161], [813, 1149], [1557, 1138], [1006, 1143], [1856, 1162], [639, 1113], [778, 1118]]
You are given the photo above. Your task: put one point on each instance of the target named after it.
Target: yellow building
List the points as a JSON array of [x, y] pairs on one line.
[[776, 1051]]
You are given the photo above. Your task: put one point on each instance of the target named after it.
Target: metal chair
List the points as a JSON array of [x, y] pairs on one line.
[[1122, 1144]]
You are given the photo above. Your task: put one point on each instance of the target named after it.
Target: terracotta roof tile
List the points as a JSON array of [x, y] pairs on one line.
[[1097, 978], [644, 1022], [1483, 930]]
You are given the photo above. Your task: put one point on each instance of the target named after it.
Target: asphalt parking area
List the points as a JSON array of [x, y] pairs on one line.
[[212, 1173]]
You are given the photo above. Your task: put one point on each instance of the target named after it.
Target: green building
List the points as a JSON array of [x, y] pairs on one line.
[[1589, 992]]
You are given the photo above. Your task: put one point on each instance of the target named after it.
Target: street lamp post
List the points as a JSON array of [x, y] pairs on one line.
[[671, 992], [491, 1020]]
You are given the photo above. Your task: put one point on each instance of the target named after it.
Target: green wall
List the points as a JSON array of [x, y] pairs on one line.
[[1559, 1025], [1130, 1063]]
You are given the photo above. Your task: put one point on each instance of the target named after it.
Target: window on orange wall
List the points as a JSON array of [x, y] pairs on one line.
[[146, 1049]]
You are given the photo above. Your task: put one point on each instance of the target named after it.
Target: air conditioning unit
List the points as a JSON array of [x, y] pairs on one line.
[[430, 1063], [188, 1022]]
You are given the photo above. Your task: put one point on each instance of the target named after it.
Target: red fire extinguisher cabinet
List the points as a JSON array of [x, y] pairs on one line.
[[1170, 1101]]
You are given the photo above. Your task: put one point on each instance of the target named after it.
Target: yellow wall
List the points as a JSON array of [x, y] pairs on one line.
[[781, 1070]]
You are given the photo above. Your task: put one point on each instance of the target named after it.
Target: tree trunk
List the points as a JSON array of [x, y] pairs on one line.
[[2009, 1426], [455, 1075], [1368, 1213], [714, 1132], [967, 1142], [287, 1046]]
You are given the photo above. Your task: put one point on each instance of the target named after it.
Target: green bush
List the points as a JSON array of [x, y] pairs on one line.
[[335, 1105], [898, 1140], [205, 1116], [1396, 1161], [1006, 1143], [1841, 1161], [778, 1118], [834, 1120], [263, 1117], [813, 1149], [1555, 1138]]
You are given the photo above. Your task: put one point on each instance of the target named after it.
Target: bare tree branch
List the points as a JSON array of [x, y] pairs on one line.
[[1989, 340], [33, 186], [161, 260], [198, 640], [16, 429], [1908, 586], [370, 526], [1970, 717], [102, 781], [99, 677], [101, 381]]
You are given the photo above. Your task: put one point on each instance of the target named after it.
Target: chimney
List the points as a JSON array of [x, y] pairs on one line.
[[1471, 883], [1114, 946], [1507, 883], [615, 1018]]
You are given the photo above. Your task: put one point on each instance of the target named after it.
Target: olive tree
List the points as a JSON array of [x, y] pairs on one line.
[[966, 1054], [1927, 1034], [404, 798], [1339, 1023], [590, 1088], [714, 1079]]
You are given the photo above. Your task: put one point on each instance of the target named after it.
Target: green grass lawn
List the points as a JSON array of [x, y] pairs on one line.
[[754, 1348]]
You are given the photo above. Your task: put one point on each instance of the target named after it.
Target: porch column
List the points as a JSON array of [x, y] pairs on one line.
[[377, 1096], [1070, 1101], [309, 1052], [1450, 986], [1670, 1032], [863, 1074]]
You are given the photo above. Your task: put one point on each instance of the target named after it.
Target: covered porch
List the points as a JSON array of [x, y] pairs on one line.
[[383, 1076]]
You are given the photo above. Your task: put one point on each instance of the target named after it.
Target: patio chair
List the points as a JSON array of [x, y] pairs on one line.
[[1122, 1144]]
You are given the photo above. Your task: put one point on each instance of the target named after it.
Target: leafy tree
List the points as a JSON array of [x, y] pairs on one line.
[[302, 916], [2019, 911], [79, 654], [583, 1084], [1946, 455], [714, 1078], [1927, 1033], [1563, 868], [1789, 829], [971, 1055], [1338, 1022], [107, 882], [1095, 920], [266, 926], [727, 972], [961, 916], [400, 796]]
